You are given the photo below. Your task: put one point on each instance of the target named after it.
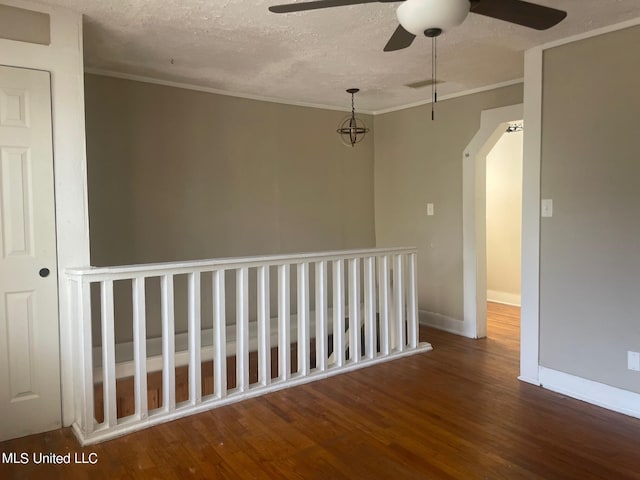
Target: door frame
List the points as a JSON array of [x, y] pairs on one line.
[[64, 60], [493, 123]]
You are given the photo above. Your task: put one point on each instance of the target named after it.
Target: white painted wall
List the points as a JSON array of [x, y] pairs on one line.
[[504, 219], [63, 58]]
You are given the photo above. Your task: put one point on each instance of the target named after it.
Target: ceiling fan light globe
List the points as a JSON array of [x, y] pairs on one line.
[[416, 16]]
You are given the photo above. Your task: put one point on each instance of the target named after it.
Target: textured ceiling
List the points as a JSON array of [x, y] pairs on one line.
[[311, 57]]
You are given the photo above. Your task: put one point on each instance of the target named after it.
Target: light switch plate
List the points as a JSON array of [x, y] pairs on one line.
[[633, 361], [546, 209], [430, 209]]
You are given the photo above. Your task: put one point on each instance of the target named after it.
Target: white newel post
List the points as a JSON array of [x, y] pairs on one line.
[[84, 367], [303, 318], [194, 328], [264, 330], [140, 347], [399, 302], [168, 344], [108, 354], [383, 303], [284, 345], [354, 310], [321, 315], [338, 312], [412, 302], [219, 336], [370, 307], [242, 329]]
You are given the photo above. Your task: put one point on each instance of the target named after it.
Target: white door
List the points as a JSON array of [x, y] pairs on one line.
[[29, 348]]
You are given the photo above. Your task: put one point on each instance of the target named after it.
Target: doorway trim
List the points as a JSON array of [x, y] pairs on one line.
[[493, 123]]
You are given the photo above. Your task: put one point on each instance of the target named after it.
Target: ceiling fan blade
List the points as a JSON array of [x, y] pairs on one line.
[[315, 5], [519, 12], [399, 40]]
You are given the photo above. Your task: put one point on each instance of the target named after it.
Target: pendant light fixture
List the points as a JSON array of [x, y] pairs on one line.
[[352, 129]]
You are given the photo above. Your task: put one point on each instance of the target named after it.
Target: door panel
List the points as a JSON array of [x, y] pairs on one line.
[[29, 345], [16, 208]]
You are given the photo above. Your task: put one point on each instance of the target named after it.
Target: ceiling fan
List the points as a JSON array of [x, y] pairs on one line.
[[432, 17]]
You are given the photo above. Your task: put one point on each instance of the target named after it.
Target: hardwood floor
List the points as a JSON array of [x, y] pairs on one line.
[[457, 412]]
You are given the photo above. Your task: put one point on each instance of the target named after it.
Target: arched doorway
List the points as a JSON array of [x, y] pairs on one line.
[[493, 123]]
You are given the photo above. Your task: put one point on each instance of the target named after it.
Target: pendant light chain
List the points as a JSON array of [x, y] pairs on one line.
[[353, 107]]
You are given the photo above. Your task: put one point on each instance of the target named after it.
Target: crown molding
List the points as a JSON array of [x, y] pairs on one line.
[[199, 88], [592, 33], [464, 93]]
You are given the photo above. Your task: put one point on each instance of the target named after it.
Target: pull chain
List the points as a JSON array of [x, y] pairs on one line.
[[433, 33], [434, 88]]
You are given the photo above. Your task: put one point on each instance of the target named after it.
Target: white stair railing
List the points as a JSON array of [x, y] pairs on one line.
[[379, 322]]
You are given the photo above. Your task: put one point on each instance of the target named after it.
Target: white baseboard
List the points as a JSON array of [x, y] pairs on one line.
[[531, 380], [612, 398], [503, 297], [442, 322]]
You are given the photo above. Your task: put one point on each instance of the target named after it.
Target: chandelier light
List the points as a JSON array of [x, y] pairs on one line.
[[352, 129]]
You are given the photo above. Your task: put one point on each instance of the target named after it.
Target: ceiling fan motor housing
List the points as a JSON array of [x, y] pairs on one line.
[[418, 16]]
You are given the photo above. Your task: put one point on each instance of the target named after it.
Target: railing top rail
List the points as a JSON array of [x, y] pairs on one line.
[[176, 268]]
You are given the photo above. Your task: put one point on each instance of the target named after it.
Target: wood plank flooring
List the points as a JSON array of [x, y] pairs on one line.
[[457, 412]]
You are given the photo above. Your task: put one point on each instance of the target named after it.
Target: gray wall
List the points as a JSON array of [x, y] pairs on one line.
[[419, 161], [590, 248], [24, 25], [178, 174]]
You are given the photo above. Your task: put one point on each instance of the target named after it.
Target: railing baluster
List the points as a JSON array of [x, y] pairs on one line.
[[168, 344], [338, 312], [86, 388], [412, 303], [139, 347], [321, 315], [369, 307], [398, 299], [354, 310], [219, 335], [303, 318], [284, 345], [242, 328], [195, 375], [264, 327], [108, 354], [383, 303]]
